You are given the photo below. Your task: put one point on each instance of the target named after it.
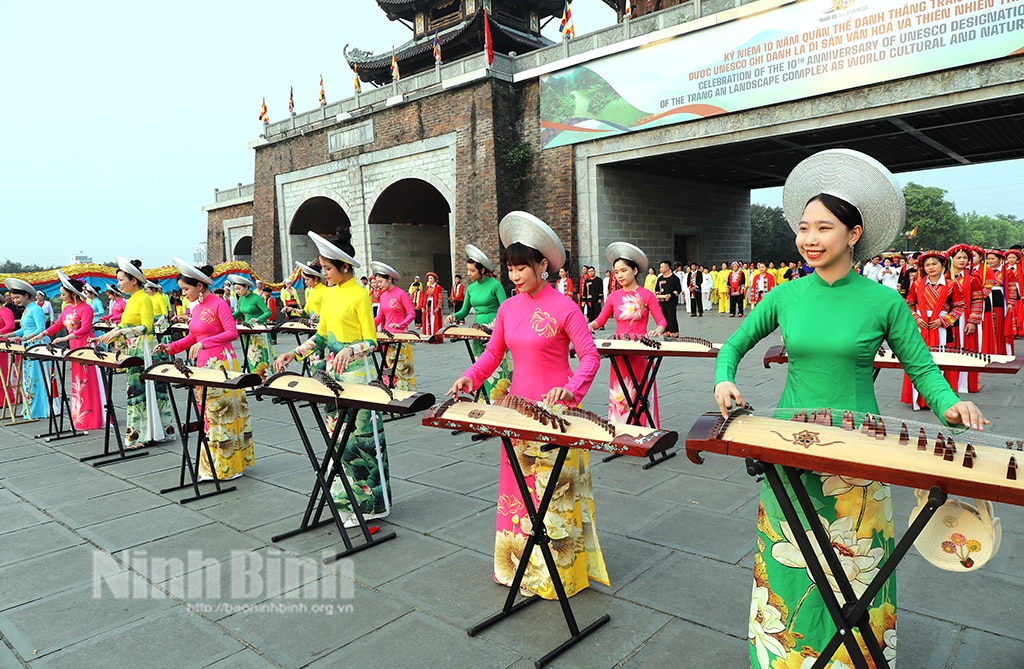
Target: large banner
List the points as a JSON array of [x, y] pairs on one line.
[[801, 50]]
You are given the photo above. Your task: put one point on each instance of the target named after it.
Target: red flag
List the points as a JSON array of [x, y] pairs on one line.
[[488, 42], [395, 75], [566, 27], [263, 112]]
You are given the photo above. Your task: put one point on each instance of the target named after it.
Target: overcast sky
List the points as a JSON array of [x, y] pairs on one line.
[[120, 118]]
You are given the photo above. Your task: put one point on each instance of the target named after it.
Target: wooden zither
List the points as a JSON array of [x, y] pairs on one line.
[[409, 337], [321, 393], [867, 447], [518, 418], [198, 381], [475, 331], [948, 359], [513, 417], [108, 363], [973, 464], [691, 347]]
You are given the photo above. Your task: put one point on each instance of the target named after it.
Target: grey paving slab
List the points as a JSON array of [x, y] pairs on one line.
[[158, 460], [406, 552], [413, 464], [277, 462], [101, 508], [75, 492], [460, 477], [475, 532], [38, 577], [627, 559], [43, 471], [685, 644], [142, 527], [56, 622], [624, 476], [246, 511], [15, 450], [708, 494], [701, 533], [8, 660], [175, 636], [30, 542], [183, 552], [430, 588], [312, 634], [624, 514], [8, 497], [702, 591], [433, 509], [21, 516], [926, 642], [980, 650], [245, 659], [415, 641]]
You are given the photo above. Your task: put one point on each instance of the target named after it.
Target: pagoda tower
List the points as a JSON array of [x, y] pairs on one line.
[[459, 26]]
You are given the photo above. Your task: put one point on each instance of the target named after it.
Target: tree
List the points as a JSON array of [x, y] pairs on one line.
[[938, 225], [771, 238]]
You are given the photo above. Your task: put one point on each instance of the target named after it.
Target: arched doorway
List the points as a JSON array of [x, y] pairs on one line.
[[242, 251], [409, 230], [321, 215]]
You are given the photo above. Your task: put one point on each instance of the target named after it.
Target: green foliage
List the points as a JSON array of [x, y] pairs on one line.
[[518, 159], [9, 266], [938, 225], [771, 238]]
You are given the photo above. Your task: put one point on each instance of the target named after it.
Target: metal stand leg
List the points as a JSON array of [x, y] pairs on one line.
[[202, 442], [111, 426], [56, 425], [639, 407], [539, 538]]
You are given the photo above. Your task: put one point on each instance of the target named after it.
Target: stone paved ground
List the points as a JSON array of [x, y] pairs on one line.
[[99, 569]]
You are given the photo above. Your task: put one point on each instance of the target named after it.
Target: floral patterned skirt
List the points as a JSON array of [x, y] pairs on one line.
[[618, 407], [405, 375], [260, 355], [149, 404], [227, 427], [569, 522], [496, 385], [788, 619]]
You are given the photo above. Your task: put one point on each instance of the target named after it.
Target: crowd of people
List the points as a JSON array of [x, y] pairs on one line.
[[834, 315]]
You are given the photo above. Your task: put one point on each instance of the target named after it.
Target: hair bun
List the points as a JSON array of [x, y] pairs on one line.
[[137, 263], [343, 237], [207, 270]]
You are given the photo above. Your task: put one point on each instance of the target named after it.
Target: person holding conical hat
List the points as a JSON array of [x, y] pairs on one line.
[[843, 205], [34, 373], [537, 325], [149, 405], [210, 343], [484, 294], [632, 306], [252, 308], [87, 410], [394, 314], [344, 340]]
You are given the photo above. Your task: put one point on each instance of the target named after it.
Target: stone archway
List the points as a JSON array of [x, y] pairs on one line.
[[321, 215], [242, 250], [409, 229]]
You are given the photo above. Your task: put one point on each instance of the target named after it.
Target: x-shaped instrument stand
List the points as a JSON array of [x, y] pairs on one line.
[[185, 431], [637, 401], [110, 425], [57, 428], [480, 393], [852, 612], [15, 391], [326, 470], [539, 538]]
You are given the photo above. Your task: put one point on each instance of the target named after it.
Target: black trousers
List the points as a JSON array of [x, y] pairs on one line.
[[668, 308], [736, 305], [696, 304]]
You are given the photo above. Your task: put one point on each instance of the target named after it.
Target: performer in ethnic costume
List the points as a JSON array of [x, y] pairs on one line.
[[341, 347], [395, 314], [210, 343], [116, 306], [537, 325], [564, 283], [457, 294], [993, 330], [631, 306], [430, 303], [149, 405], [1013, 282], [967, 289], [760, 284], [252, 308], [34, 373], [161, 306], [736, 280], [932, 300], [484, 295], [76, 317], [833, 322]]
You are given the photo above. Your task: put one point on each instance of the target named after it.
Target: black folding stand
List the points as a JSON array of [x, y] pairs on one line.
[[326, 470], [853, 611], [639, 406], [185, 430], [110, 424], [56, 425], [539, 537]]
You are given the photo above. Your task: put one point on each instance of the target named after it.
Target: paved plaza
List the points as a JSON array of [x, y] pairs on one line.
[[99, 569]]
